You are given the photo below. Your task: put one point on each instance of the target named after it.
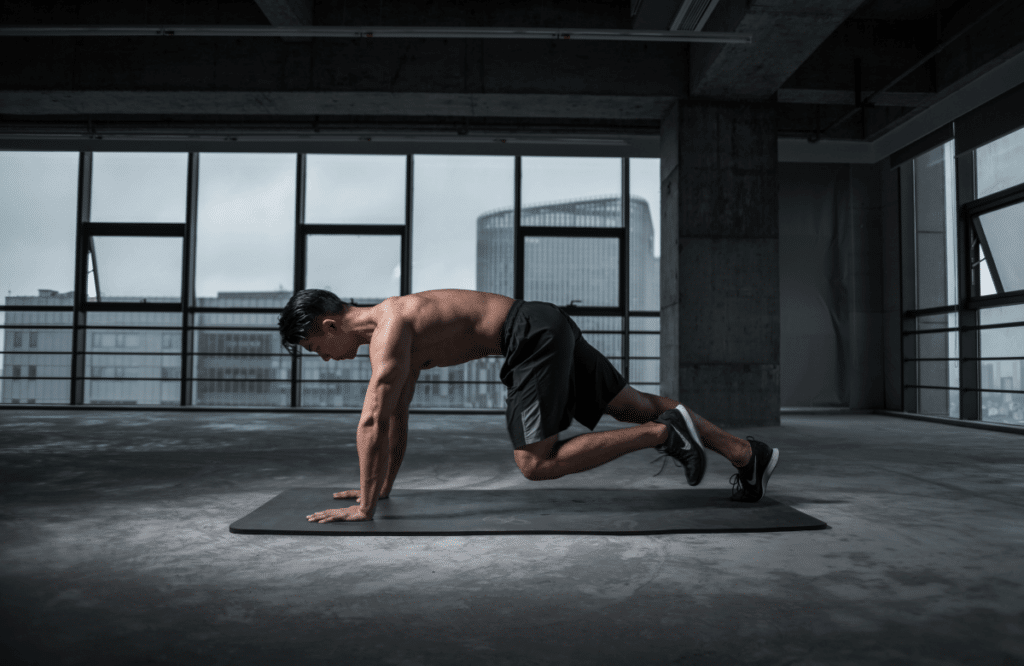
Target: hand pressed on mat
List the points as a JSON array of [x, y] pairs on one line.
[[349, 513]]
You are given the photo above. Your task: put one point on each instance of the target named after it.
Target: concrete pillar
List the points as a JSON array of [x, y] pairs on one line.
[[720, 261]]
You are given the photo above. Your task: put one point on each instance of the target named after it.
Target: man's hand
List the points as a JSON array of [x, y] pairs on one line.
[[349, 513], [354, 494]]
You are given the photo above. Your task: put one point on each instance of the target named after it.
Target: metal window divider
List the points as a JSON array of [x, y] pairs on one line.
[[188, 282], [77, 392]]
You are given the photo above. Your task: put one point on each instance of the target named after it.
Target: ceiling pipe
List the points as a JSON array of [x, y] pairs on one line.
[[378, 32]]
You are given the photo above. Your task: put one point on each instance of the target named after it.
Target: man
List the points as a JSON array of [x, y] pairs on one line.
[[552, 373]]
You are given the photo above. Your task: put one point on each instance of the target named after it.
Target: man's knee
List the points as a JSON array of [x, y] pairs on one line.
[[532, 459]]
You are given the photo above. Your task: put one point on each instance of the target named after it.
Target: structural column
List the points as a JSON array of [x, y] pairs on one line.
[[720, 260]]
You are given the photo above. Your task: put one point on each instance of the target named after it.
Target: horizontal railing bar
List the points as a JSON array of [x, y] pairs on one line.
[[980, 327], [134, 229], [947, 388], [969, 358]]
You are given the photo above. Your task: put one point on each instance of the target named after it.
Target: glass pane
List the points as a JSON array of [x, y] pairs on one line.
[[38, 206], [455, 243], [1002, 375], [241, 368], [1004, 231], [136, 269], [572, 271], [131, 366], [29, 350], [128, 392], [1000, 164], [645, 234], [362, 268], [139, 187], [355, 189], [590, 323], [1005, 315], [334, 383], [935, 237], [1002, 342], [572, 191], [25, 391], [496, 257], [447, 388], [644, 345], [235, 320], [644, 371], [935, 373], [246, 228], [1002, 407], [987, 286], [645, 323], [169, 320], [937, 402]]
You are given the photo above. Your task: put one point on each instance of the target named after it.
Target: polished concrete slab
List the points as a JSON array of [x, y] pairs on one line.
[[530, 510], [115, 550]]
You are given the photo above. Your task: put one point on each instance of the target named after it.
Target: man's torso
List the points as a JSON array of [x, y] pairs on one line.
[[449, 326]]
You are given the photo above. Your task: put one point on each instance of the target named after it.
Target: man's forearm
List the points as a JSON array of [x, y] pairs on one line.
[[372, 444], [398, 434]]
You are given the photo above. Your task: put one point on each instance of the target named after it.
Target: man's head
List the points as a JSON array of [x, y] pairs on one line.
[[312, 319]]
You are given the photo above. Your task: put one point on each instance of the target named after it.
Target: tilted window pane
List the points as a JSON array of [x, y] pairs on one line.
[[136, 269], [454, 246], [139, 187], [246, 227], [1000, 164], [1004, 232], [355, 189], [38, 206], [363, 268]]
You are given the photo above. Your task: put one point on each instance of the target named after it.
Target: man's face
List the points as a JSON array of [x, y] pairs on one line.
[[332, 343]]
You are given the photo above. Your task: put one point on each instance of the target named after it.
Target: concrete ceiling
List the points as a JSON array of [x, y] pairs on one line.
[[819, 59]]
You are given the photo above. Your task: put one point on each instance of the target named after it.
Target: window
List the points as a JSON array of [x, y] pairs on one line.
[[964, 316], [355, 229]]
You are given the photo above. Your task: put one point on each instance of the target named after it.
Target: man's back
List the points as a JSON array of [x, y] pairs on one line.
[[449, 326]]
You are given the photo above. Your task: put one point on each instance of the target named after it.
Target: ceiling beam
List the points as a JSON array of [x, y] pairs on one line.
[[784, 34], [849, 97], [376, 32]]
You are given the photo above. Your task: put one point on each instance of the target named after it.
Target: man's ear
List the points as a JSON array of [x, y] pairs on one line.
[[329, 324]]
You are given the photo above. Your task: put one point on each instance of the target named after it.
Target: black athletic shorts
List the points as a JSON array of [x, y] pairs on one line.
[[552, 374]]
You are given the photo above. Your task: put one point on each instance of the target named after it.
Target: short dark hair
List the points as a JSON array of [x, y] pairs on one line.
[[300, 317]]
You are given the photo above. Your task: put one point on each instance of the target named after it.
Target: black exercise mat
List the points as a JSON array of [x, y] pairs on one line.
[[529, 511]]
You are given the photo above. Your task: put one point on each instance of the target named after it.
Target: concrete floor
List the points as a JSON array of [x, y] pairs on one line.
[[115, 550]]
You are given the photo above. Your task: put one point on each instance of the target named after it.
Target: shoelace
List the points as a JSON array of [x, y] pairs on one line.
[[664, 462], [737, 486]]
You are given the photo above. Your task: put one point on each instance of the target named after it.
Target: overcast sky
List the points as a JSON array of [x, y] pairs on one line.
[[246, 215]]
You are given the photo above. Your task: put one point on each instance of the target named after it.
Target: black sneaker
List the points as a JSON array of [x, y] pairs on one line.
[[750, 482], [683, 444]]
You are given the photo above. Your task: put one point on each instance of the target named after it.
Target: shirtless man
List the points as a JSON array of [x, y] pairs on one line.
[[552, 373]]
